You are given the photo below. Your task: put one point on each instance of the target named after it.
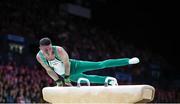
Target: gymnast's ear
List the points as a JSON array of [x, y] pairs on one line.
[[41, 47]]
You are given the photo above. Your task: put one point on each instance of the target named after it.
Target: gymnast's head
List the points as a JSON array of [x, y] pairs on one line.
[[45, 44]]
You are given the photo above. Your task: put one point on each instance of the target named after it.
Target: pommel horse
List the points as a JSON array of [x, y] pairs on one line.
[[99, 94]]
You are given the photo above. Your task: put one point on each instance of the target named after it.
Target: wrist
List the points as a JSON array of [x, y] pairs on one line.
[[66, 76], [58, 80], [67, 79]]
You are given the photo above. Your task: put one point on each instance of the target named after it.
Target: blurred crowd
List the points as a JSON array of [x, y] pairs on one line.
[[82, 40], [21, 84], [167, 95]]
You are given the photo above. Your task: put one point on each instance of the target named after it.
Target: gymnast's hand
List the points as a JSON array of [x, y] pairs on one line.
[[59, 82], [67, 81], [63, 81]]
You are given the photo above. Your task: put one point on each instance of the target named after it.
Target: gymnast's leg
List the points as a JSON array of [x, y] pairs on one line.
[[83, 66], [91, 78]]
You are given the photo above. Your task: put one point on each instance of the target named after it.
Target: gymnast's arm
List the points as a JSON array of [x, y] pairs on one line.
[[49, 71], [65, 59]]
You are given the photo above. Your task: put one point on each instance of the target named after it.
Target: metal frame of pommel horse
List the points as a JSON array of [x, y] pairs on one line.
[[99, 94]]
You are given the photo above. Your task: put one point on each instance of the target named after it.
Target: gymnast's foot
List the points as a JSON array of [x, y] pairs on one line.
[[133, 60], [113, 83]]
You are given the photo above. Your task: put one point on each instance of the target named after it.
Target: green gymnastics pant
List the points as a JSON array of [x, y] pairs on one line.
[[78, 67]]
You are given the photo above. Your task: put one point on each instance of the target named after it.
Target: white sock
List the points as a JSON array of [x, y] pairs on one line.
[[134, 60]]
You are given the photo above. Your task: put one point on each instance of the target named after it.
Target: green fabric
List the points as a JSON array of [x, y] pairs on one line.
[[56, 52], [43, 59], [67, 80], [78, 67]]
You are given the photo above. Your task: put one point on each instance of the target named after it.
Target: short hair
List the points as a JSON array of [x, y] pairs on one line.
[[45, 41]]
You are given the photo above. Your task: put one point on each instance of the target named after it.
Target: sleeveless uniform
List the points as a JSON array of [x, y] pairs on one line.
[[77, 67]]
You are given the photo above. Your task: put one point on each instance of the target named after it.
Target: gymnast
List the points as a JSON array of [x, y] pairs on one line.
[[63, 70]]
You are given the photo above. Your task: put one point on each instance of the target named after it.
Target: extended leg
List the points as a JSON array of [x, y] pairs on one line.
[[91, 78], [83, 66]]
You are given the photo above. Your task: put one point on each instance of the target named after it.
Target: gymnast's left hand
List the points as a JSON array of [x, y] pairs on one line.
[[67, 81]]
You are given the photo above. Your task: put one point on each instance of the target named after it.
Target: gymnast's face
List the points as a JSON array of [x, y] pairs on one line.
[[46, 48]]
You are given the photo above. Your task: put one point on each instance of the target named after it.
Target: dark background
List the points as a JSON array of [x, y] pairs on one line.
[[125, 28], [145, 23]]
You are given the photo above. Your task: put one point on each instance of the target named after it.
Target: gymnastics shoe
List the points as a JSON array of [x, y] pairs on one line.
[[113, 83]]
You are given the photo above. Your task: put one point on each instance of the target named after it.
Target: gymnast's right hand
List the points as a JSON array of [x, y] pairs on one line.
[[59, 82]]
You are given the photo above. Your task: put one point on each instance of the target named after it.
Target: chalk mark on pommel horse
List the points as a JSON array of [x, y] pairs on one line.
[[99, 94]]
